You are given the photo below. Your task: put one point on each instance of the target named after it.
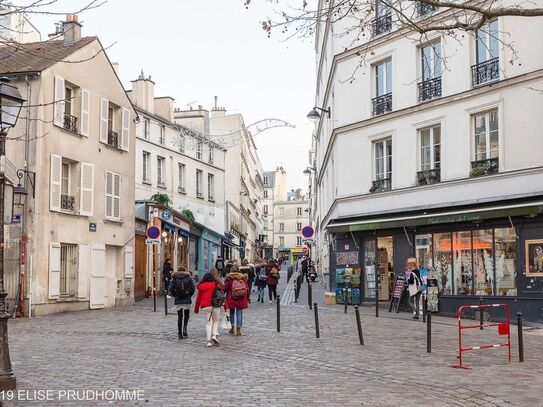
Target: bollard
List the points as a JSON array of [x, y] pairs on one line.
[[309, 294], [480, 314], [429, 332], [377, 296], [424, 310], [345, 298], [165, 303], [359, 325], [317, 331], [278, 314], [520, 338]]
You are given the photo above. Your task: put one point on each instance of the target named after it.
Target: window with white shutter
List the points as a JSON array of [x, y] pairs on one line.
[[125, 129], [113, 196], [104, 114], [85, 112], [86, 198], [54, 270], [60, 96], [55, 183]]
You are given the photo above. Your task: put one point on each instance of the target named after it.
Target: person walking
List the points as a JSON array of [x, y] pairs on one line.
[[305, 268], [272, 270], [219, 265], [414, 287], [260, 281], [249, 271], [237, 297], [167, 270], [182, 289], [209, 291]]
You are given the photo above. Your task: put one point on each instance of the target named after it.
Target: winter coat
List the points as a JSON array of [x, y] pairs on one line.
[[239, 303], [258, 281], [205, 295], [178, 278], [249, 271], [272, 280], [167, 271]]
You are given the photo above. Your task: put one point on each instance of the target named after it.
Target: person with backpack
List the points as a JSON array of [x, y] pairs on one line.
[[260, 282], [272, 271], [210, 299], [237, 297], [182, 288], [249, 270]]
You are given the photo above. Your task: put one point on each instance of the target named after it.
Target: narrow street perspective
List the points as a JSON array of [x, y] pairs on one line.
[[271, 203]]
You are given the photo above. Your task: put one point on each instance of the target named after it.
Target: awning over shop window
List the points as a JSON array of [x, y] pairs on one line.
[[438, 217], [183, 233], [169, 228]]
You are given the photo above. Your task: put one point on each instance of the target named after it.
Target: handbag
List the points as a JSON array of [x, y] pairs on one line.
[[416, 287], [225, 323]]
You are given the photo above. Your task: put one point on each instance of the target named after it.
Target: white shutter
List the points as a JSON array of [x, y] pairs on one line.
[[98, 277], [128, 262], [60, 95], [54, 270], [109, 194], [86, 198], [125, 129], [83, 272], [55, 183], [104, 107], [117, 196], [84, 119]]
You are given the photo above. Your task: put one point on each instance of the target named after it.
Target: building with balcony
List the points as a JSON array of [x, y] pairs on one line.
[[76, 228], [432, 151], [275, 190], [290, 216]]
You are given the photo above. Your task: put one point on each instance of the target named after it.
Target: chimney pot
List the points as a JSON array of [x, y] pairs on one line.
[[71, 29]]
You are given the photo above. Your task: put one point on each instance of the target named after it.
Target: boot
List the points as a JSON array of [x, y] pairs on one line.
[[231, 331], [238, 331], [185, 331]]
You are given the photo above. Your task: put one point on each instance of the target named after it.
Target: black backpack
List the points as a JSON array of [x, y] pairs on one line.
[[218, 298], [182, 288]]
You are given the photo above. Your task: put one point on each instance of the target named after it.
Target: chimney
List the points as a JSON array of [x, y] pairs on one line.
[[71, 29], [217, 111], [143, 93]]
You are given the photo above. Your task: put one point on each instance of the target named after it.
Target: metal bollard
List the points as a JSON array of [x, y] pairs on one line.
[[520, 338], [309, 294], [429, 332], [317, 331], [377, 297], [359, 325], [278, 314], [345, 299], [481, 314], [165, 303], [424, 310]]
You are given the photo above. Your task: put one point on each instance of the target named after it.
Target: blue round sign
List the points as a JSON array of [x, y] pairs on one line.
[[307, 232], [153, 232]]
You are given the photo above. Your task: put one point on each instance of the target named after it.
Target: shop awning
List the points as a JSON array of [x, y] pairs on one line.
[[184, 233], [438, 217], [169, 227]]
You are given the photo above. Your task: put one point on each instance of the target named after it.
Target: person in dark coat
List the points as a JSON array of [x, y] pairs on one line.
[[249, 270], [413, 283], [219, 265], [272, 270], [182, 289], [167, 270], [260, 280], [236, 304]]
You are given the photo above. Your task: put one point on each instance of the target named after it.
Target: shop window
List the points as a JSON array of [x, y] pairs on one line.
[[370, 262], [423, 245], [463, 281], [443, 262], [483, 262], [506, 255]]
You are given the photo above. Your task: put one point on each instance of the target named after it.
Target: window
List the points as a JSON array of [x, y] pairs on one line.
[[382, 102], [383, 165], [486, 135], [298, 240], [423, 245], [162, 134], [265, 224], [462, 262], [181, 174], [487, 66], [210, 186], [211, 155], [265, 193], [281, 241], [199, 150], [146, 161], [110, 114], [146, 128], [160, 170], [282, 212], [281, 227], [430, 87], [199, 176], [298, 211], [265, 180], [65, 179], [298, 227], [383, 18], [443, 262], [430, 156], [483, 262], [113, 196], [67, 201], [69, 265], [68, 101], [265, 209], [506, 257]]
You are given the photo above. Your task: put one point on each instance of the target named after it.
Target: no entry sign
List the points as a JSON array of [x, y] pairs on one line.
[[307, 232]]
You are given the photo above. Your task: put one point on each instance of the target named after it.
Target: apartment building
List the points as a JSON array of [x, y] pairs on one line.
[[15, 26], [75, 141], [433, 151], [275, 190], [290, 216]]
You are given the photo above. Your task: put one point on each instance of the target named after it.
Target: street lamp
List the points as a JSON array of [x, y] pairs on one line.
[[11, 102], [315, 116]]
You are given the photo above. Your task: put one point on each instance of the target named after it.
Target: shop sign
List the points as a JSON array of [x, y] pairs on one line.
[[16, 219], [92, 227], [167, 215]]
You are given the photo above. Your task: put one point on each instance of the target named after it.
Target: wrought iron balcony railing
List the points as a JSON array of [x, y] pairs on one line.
[[381, 185], [113, 139], [382, 24], [430, 89], [428, 177], [382, 104], [485, 167], [425, 8], [70, 123], [484, 72], [67, 202]]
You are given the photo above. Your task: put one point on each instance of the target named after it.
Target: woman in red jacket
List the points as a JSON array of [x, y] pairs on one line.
[[272, 270], [237, 296], [204, 302]]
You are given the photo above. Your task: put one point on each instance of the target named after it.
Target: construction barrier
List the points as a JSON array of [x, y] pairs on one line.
[[503, 329]]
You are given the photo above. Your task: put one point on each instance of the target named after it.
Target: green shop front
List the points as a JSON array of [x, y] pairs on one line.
[[491, 252]]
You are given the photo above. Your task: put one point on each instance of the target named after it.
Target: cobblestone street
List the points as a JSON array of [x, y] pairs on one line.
[[134, 348]]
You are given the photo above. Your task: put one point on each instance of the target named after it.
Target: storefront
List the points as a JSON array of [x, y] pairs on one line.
[[194, 251], [493, 252], [210, 244]]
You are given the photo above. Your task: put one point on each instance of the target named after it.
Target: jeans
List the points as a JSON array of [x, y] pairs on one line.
[[272, 289], [238, 312], [261, 292], [213, 319]]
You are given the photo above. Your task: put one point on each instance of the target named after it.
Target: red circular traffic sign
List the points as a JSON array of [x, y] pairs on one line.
[[307, 232], [153, 232]]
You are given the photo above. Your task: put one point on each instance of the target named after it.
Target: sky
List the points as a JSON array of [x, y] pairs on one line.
[[197, 49]]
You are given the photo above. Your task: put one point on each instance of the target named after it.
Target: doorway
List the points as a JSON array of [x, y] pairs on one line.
[[141, 261]]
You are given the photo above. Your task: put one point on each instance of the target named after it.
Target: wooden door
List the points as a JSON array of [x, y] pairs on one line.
[[141, 261]]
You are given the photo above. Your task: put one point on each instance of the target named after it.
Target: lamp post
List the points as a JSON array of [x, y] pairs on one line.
[[10, 106]]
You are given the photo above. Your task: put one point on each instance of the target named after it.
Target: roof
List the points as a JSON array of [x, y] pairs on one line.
[[37, 56], [271, 179]]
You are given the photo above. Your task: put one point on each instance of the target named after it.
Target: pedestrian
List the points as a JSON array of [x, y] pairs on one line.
[[260, 281], [227, 268], [209, 300], [182, 289], [299, 282], [272, 271], [414, 286], [305, 267], [249, 271], [237, 297], [219, 264], [167, 270]]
